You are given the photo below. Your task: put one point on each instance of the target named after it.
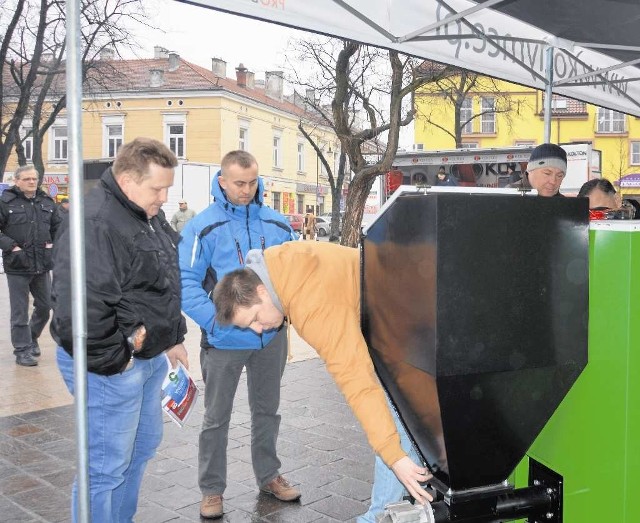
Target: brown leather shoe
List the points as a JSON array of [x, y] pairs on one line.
[[280, 488], [211, 506]]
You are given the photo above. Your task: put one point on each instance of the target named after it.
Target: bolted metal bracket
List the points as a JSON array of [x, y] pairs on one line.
[[540, 475]]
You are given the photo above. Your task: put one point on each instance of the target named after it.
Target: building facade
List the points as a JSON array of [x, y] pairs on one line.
[[200, 114], [510, 114]]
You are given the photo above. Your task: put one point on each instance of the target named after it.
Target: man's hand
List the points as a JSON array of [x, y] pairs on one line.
[[411, 475], [178, 353]]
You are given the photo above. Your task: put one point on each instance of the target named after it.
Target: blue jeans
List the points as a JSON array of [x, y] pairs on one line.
[[386, 487], [125, 429]]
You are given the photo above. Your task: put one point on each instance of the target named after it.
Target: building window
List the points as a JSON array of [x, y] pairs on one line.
[[488, 119], [300, 157], [114, 138], [277, 150], [27, 143], [175, 132], [610, 121], [635, 153], [112, 134], [301, 204], [176, 139], [60, 143], [466, 113], [276, 201], [243, 139], [469, 145]]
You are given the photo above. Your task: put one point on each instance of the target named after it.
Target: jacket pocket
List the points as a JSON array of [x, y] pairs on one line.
[[17, 216], [48, 259], [16, 260]]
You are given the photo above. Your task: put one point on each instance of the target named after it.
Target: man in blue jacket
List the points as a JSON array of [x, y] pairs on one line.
[[214, 243]]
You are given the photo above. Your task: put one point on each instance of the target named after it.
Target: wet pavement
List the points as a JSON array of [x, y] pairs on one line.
[[321, 445]]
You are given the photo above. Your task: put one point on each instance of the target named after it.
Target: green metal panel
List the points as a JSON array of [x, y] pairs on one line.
[[593, 439]]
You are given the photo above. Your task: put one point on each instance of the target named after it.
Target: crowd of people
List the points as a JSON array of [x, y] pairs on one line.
[[235, 271]]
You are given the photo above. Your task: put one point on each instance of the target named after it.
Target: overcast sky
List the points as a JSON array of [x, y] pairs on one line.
[[198, 34]]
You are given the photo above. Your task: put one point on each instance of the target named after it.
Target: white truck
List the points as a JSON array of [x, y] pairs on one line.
[[488, 167], [191, 182]]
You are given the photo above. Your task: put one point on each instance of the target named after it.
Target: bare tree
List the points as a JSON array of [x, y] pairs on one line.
[[456, 85], [32, 64], [363, 94]]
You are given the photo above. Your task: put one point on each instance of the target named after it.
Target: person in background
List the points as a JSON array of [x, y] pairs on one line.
[[64, 206], [443, 179], [181, 216], [514, 177], [28, 224], [214, 243], [317, 286], [309, 225], [602, 196], [134, 322], [546, 169]]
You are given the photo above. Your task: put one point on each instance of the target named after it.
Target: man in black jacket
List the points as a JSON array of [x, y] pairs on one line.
[[28, 223], [133, 321]]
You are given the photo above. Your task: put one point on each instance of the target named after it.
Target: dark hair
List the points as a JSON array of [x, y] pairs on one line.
[[236, 289], [242, 158], [134, 157], [601, 183]]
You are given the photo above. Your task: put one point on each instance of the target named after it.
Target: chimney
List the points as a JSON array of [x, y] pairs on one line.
[[156, 78], [219, 67], [160, 52], [251, 79], [273, 84], [107, 53], [241, 75], [174, 61], [310, 95]]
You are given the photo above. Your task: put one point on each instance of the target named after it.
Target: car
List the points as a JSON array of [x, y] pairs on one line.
[[296, 221], [323, 226]]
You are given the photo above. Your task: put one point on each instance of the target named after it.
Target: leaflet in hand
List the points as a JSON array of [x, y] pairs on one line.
[[179, 394]]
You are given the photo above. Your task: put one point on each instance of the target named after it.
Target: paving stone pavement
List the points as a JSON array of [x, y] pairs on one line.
[[321, 445]]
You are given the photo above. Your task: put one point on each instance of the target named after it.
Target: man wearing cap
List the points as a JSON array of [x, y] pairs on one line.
[[546, 169], [182, 216]]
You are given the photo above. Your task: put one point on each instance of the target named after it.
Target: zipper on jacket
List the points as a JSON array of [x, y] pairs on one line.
[[248, 229], [240, 257]]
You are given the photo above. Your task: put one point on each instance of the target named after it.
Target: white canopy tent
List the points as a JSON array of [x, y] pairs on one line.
[[596, 42]]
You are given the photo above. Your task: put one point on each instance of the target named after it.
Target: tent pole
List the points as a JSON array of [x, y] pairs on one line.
[[548, 94], [76, 231]]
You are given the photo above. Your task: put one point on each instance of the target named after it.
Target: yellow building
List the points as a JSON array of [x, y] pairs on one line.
[[519, 120], [200, 114]]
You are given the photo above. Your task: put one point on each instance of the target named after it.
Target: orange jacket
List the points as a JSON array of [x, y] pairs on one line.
[[318, 285]]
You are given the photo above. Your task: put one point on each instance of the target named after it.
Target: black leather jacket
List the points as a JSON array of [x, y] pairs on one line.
[[29, 223], [132, 280]]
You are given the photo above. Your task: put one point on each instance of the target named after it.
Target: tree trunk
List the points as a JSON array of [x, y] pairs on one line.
[[358, 192]]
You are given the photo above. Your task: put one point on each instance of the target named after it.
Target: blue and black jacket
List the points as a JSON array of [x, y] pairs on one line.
[[215, 243]]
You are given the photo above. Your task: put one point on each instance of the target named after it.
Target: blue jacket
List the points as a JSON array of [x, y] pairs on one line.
[[215, 243]]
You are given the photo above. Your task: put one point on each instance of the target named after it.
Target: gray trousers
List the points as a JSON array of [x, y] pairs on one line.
[[24, 331], [221, 370]]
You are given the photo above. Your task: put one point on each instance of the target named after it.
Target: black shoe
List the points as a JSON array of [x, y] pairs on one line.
[[35, 350], [26, 359]]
